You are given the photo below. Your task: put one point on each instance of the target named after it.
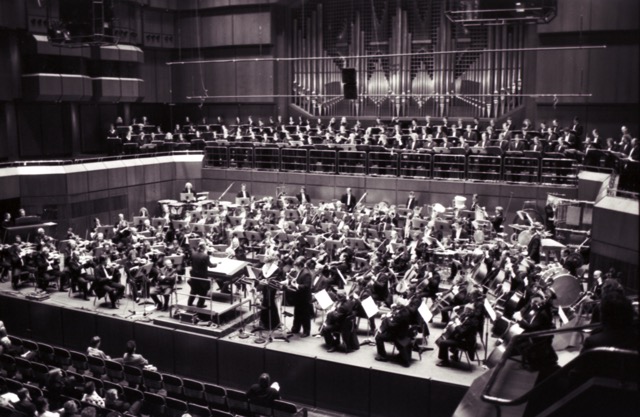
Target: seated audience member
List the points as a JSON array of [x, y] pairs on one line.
[[5, 342], [42, 408], [112, 402], [90, 395], [94, 348], [24, 404], [88, 412], [616, 315], [69, 409], [264, 392], [132, 358]]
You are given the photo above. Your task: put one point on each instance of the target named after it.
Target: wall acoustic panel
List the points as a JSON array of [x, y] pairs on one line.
[[195, 355], [46, 322], [343, 388], [255, 79], [115, 333], [79, 326], [155, 344], [217, 30], [293, 374], [252, 28], [398, 395], [239, 364], [14, 312]]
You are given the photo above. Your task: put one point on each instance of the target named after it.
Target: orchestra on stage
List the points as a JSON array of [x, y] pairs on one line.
[[396, 267]]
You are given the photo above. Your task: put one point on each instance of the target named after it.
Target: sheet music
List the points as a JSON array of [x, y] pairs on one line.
[[490, 311], [323, 299], [425, 312], [369, 306], [562, 315]]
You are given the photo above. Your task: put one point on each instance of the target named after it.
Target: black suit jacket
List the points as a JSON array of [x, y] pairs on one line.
[[200, 264], [239, 195], [413, 204], [306, 196], [352, 202]]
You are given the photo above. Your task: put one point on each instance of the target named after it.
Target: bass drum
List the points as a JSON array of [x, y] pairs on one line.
[[565, 286], [524, 238]]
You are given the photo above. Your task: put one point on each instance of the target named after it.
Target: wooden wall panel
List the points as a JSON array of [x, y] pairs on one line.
[[10, 82], [252, 28], [217, 30], [568, 17], [187, 32], [221, 81], [29, 130], [612, 74], [148, 74], [56, 141], [255, 78], [163, 77], [152, 21]]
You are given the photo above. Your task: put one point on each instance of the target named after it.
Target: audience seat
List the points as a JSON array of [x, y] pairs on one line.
[[79, 361], [193, 391], [287, 409], [197, 410], [152, 380], [96, 366], [175, 407], [133, 376], [216, 396], [238, 402], [153, 404], [173, 385]]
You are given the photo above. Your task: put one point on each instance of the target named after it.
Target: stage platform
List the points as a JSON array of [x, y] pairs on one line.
[[348, 384]]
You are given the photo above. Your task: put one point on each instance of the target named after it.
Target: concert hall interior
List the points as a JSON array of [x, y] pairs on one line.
[[387, 208]]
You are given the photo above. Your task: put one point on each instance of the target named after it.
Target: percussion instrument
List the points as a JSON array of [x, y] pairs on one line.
[[524, 238], [566, 288], [505, 329], [459, 201], [439, 208]]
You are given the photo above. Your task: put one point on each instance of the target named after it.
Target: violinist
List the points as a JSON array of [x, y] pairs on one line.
[[460, 333], [340, 323], [47, 270], [395, 328], [77, 276], [107, 281], [134, 277], [497, 219], [165, 281], [429, 284]]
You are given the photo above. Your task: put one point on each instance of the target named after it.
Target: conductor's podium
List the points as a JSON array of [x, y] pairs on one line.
[[225, 273]]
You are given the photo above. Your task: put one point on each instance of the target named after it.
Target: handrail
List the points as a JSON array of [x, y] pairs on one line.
[[524, 397], [105, 158]]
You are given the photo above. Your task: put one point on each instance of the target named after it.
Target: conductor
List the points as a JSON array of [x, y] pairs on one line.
[[199, 281], [349, 200]]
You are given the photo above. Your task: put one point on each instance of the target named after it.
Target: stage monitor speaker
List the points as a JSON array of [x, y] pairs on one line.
[[349, 76], [350, 91]]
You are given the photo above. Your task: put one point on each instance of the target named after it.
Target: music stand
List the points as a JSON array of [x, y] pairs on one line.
[[138, 220], [243, 201], [187, 197], [370, 309], [158, 222]]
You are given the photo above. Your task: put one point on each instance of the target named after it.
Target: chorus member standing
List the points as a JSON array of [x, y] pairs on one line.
[[200, 284], [243, 192], [349, 200], [303, 307], [303, 196], [412, 201]]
